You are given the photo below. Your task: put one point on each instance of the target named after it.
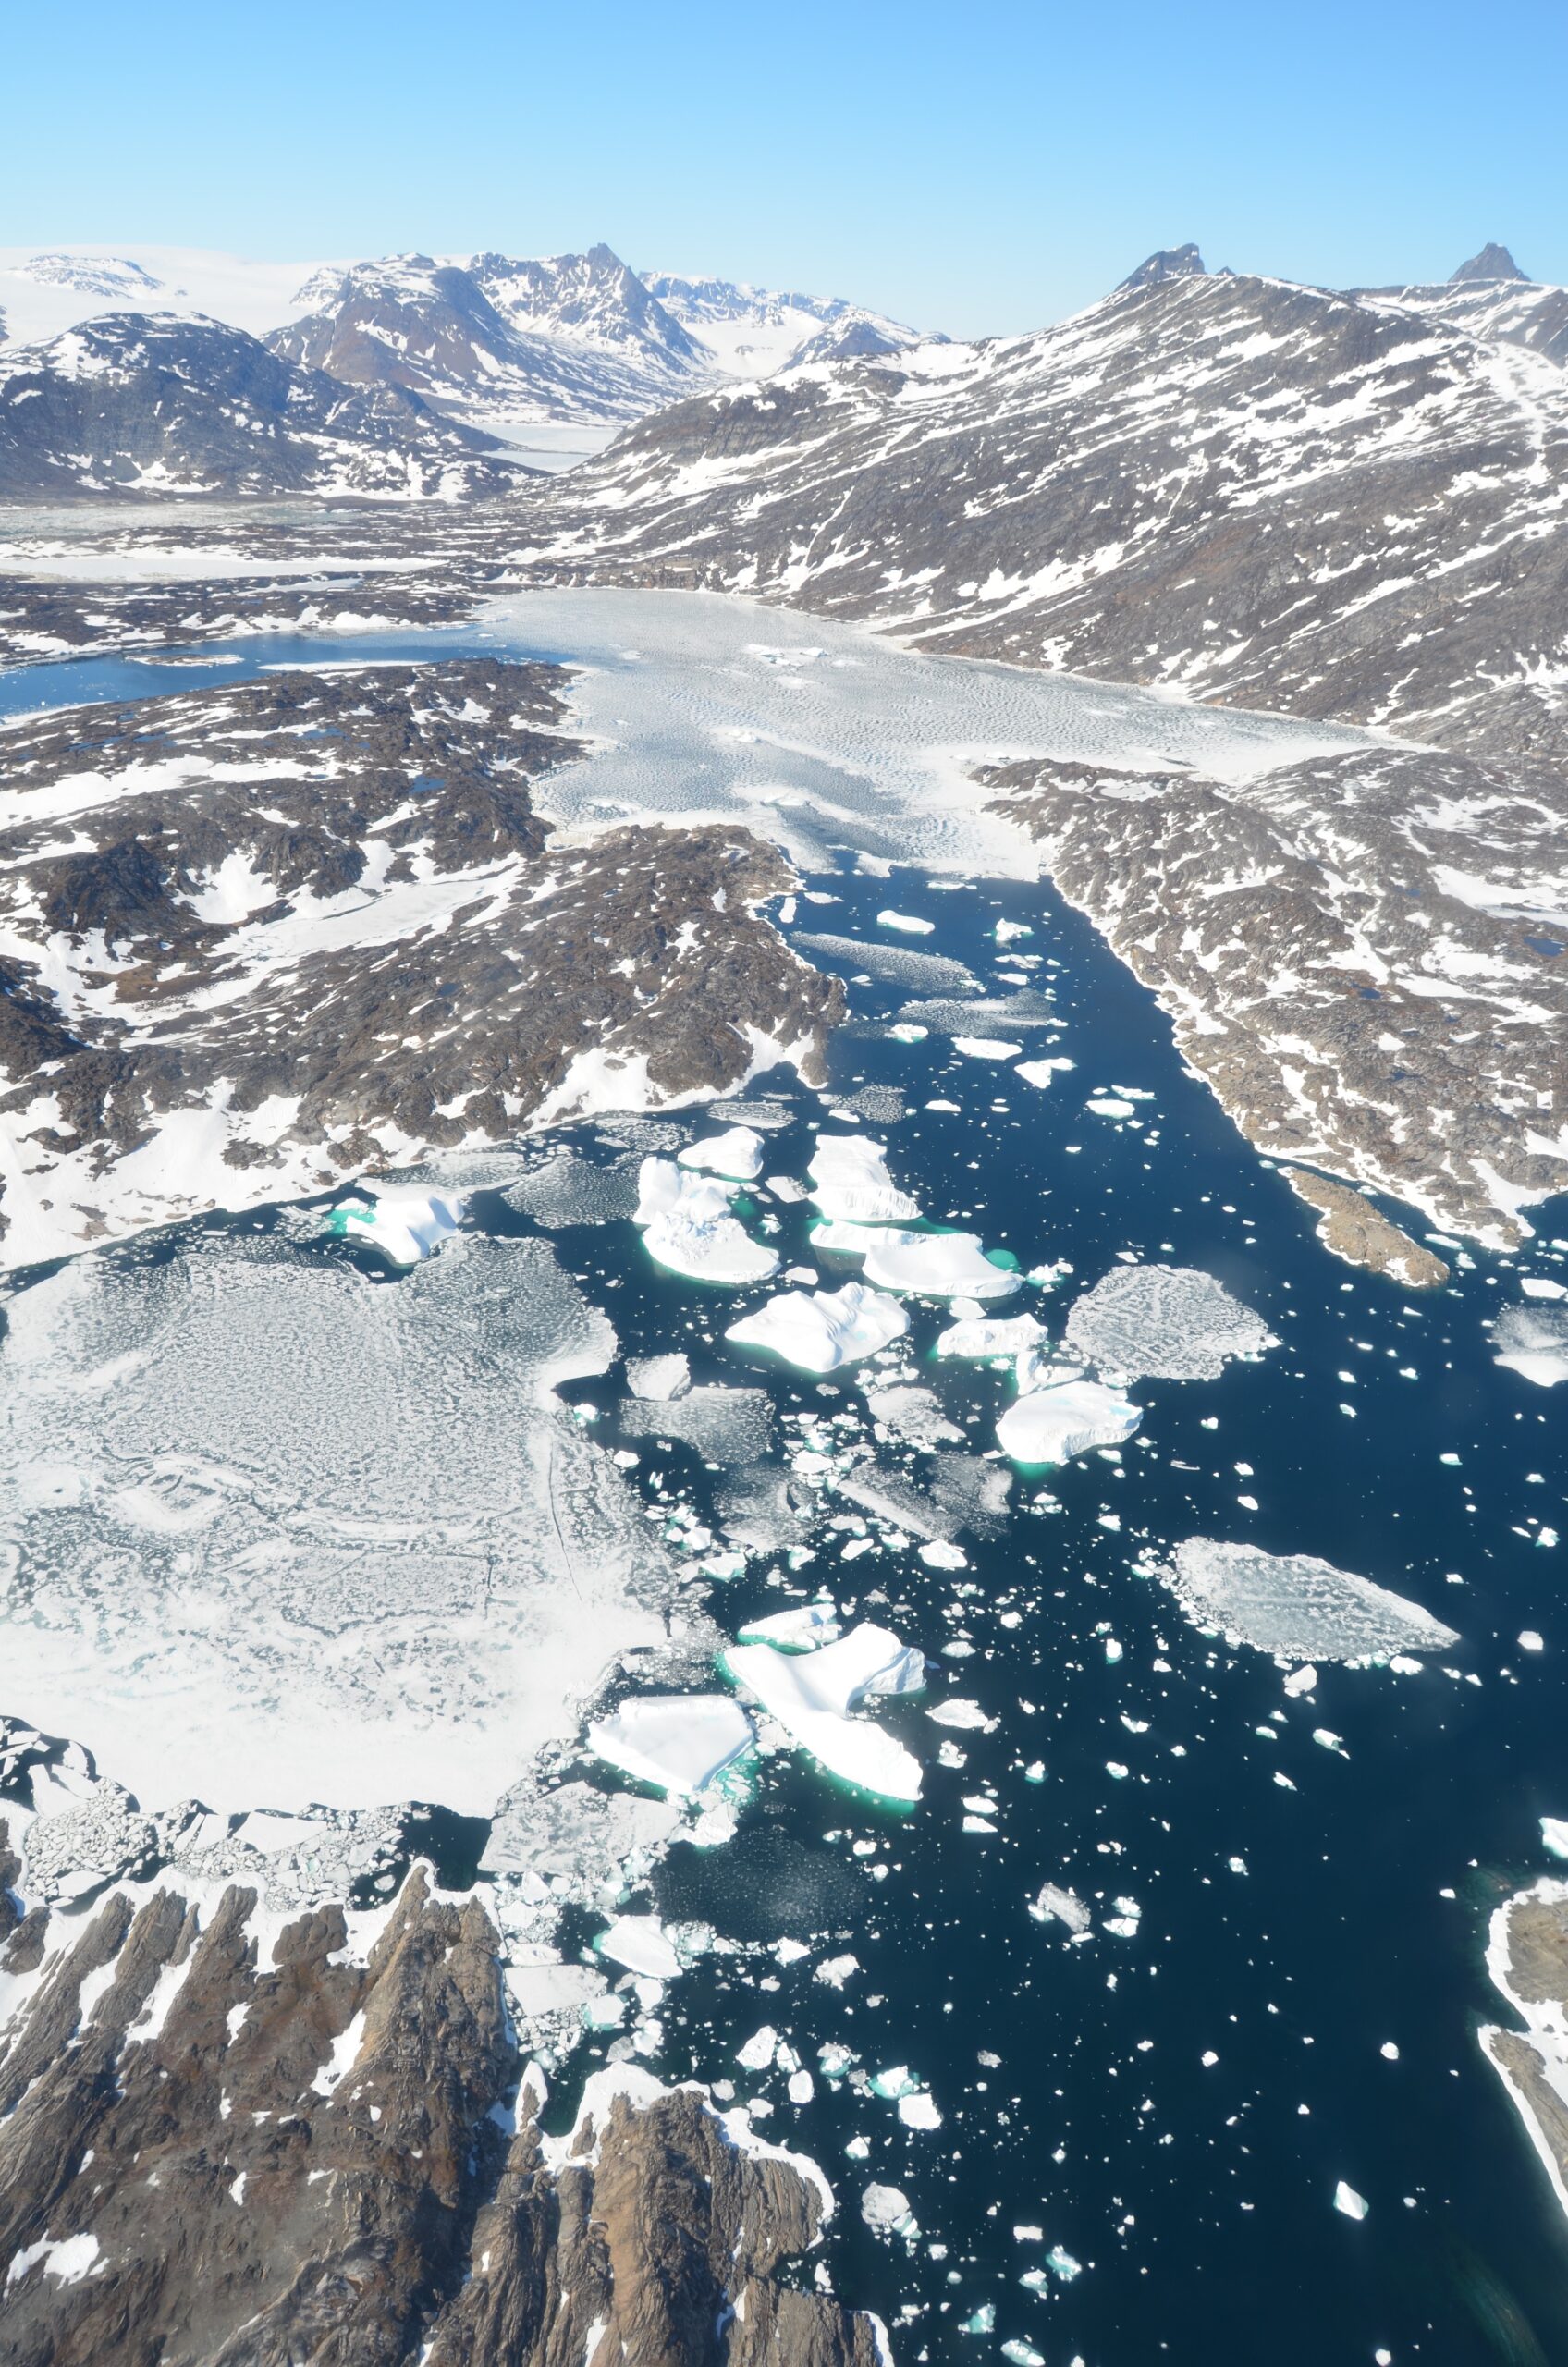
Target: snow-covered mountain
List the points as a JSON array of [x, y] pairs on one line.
[[751, 332], [1228, 484], [41, 294], [1491, 298], [139, 403], [499, 342]]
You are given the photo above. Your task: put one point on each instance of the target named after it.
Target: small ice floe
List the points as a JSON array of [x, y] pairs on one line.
[[1061, 2263], [1531, 1640], [736, 1153], [812, 1694], [1022, 2353], [404, 1226], [938, 1264], [785, 1188], [885, 2212], [1295, 1606], [1554, 1834], [1109, 1105], [1055, 1903], [850, 1178], [942, 1553], [914, 1416], [1053, 1425], [1163, 1323], [979, 1336], [1302, 1680], [833, 1971], [986, 1048], [658, 1378], [919, 2110], [889, 1498], [967, 1717], [1533, 1341], [1326, 1740], [1354, 2205], [908, 924], [1006, 931], [677, 1742], [819, 1330], [1542, 1286], [1043, 1073], [641, 1943], [802, 1629]]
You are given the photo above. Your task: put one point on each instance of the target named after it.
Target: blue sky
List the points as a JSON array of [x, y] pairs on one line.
[[979, 168]]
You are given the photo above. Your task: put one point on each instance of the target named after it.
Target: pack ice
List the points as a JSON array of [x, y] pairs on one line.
[[257, 1554], [1533, 1341], [812, 1695], [1295, 1606], [819, 1330], [1163, 1323]]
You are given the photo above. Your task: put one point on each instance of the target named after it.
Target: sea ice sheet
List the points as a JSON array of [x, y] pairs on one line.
[[1295, 1606], [1163, 1323], [282, 1534]]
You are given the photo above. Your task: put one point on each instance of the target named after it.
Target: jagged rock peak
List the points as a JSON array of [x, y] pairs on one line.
[[1170, 262], [1492, 263]]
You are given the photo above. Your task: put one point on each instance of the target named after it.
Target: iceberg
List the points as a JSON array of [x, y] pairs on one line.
[[405, 1226], [1163, 1323], [938, 1264], [819, 1330], [1042, 1072], [1295, 1606], [677, 1742], [802, 1629], [736, 1153], [1533, 1342], [1052, 1424], [854, 1240], [687, 1227], [812, 1695], [1058, 1905], [850, 1178], [909, 924], [990, 1336], [662, 1188]]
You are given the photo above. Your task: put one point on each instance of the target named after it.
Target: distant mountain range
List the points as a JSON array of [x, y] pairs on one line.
[[497, 342]]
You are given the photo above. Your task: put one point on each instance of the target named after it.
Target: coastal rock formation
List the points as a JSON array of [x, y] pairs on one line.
[[1359, 957], [227, 2136], [1527, 1958], [312, 924]]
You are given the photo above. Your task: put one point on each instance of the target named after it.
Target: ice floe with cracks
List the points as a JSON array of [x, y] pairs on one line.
[[567, 1189], [1054, 1903], [280, 1573], [729, 1426], [802, 1629], [76, 1843], [737, 1153], [1295, 1606], [972, 1488], [938, 1264], [980, 1336], [849, 1180], [659, 1377], [813, 1695], [1163, 1323], [677, 1742], [999, 1016], [1533, 1342], [895, 1501], [880, 1105], [820, 1331], [757, 1510], [406, 1227], [631, 1130], [897, 965], [913, 1415], [1052, 1424], [642, 1944], [571, 1844]]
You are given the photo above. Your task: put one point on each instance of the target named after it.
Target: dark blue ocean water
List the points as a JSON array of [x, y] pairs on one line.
[[1198, 2199]]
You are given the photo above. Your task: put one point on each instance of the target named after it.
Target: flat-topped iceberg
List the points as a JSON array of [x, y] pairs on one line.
[[938, 1264], [1295, 1606], [990, 1336], [850, 1178], [819, 1330], [736, 1153], [1533, 1342], [1052, 1424], [855, 1240], [805, 1628], [812, 1694], [662, 1188], [642, 1944], [406, 1227], [677, 1742], [1163, 1323]]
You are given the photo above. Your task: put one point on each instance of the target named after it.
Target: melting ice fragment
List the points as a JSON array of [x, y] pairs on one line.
[[909, 924], [658, 1378], [677, 1742], [990, 1336], [800, 1630], [405, 1226], [736, 1153], [812, 1695], [1354, 2205], [850, 1178], [1554, 1834], [819, 1330], [886, 2210], [938, 1264], [1052, 1424], [1533, 1341], [1163, 1323], [1295, 1606]]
